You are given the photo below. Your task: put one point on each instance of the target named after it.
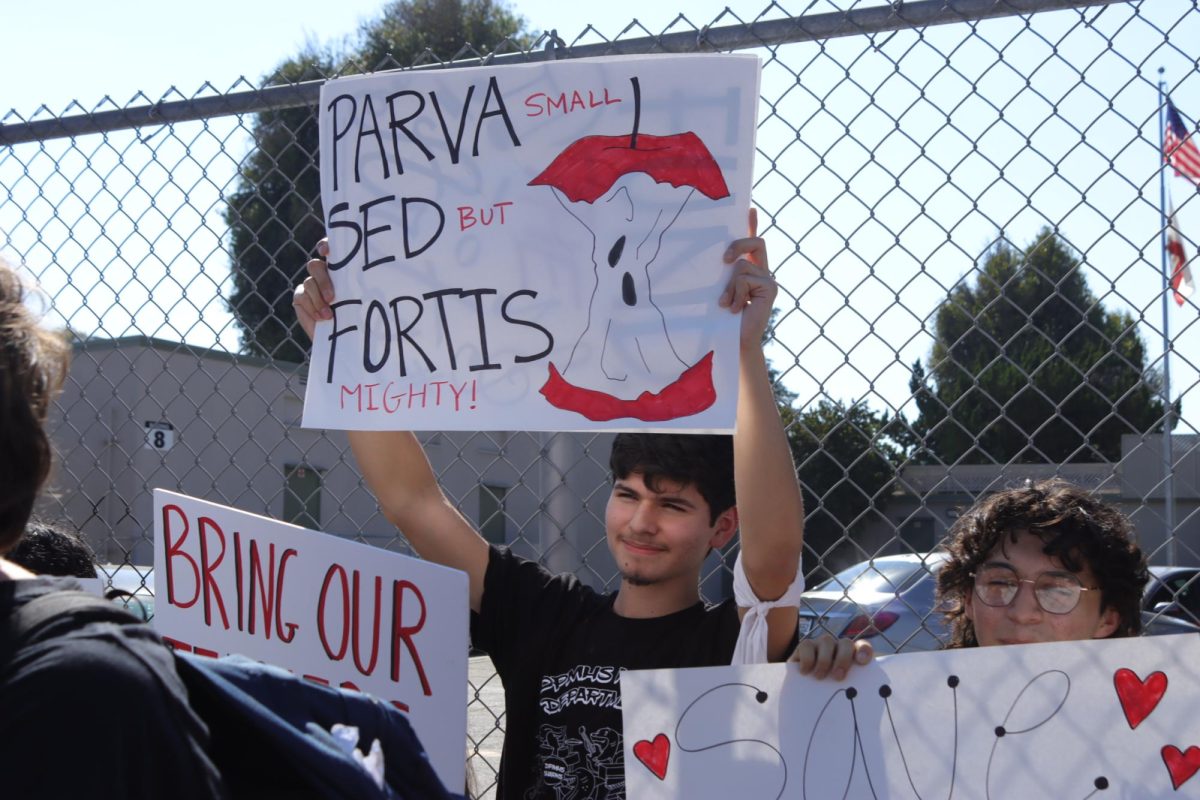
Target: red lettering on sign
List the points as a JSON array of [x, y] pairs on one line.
[[339, 571], [355, 623], [174, 549], [487, 215], [266, 593], [287, 635], [402, 632], [175, 644], [540, 104], [211, 590]]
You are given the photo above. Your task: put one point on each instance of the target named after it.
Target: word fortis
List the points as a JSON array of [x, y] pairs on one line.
[[382, 326]]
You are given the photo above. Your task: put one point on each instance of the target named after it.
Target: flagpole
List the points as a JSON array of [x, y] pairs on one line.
[[1168, 460]]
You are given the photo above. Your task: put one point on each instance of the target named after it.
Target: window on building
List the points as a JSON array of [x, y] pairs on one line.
[[492, 522], [302, 496], [918, 534]]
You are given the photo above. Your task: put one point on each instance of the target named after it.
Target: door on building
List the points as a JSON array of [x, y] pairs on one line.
[[302, 496]]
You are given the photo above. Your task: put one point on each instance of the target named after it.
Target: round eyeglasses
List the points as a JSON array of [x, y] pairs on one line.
[[1056, 592]]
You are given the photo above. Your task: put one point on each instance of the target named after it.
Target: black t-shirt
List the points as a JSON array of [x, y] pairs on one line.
[[559, 649], [97, 711]]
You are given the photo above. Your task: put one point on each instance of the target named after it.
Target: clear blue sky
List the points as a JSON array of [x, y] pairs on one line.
[[57, 51]]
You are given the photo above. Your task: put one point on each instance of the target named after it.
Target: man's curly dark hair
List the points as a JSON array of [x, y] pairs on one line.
[[1076, 528]]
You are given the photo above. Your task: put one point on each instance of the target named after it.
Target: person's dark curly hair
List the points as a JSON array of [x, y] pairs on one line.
[[1076, 528], [703, 460], [33, 363], [49, 549]]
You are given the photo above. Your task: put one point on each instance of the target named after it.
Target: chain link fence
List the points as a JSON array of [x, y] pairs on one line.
[[965, 205]]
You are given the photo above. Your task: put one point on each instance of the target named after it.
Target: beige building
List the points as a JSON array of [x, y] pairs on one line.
[[927, 499]]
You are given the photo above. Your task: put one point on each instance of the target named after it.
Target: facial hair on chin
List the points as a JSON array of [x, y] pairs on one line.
[[636, 579]]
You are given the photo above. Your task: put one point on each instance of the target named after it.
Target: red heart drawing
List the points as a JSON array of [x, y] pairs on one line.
[[657, 753], [1139, 697], [1182, 766]]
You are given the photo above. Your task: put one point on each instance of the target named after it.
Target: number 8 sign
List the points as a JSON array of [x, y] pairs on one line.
[[159, 435]]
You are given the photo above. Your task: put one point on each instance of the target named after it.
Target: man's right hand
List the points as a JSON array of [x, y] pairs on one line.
[[312, 297]]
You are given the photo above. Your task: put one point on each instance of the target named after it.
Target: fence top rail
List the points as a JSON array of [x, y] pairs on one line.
[[760, 33]]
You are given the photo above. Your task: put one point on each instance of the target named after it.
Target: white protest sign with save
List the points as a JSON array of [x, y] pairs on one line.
[[335, 611], [1103, 719], [534, 247]]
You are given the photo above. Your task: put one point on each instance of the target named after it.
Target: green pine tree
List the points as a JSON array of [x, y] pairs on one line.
[[1027, 366], [274, 211]]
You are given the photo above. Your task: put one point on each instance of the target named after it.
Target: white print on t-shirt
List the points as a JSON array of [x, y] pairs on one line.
[[580, 674], [581, 696], [588, 766], [562, 691]]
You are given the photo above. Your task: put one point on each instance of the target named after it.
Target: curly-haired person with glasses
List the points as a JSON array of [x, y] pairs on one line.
[[1043, 563], [1046, 562]]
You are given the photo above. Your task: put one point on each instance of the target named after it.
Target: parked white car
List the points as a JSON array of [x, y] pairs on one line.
[[891, 601], [136, 583]]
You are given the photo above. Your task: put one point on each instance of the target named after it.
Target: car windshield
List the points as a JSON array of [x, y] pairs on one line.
[[882, 576]]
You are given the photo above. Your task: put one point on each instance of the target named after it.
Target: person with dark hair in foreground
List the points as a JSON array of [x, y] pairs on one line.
[[1046, 562], [85, 711], [558, 645], [46, 549]]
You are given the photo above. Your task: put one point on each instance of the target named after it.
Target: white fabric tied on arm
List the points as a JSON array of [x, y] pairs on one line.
[[751, 645]]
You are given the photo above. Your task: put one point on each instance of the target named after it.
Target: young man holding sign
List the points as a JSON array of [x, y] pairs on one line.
[[559, 646]]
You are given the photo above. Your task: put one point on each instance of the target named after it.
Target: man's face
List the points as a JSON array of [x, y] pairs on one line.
[[1023, 621], [657, 537]]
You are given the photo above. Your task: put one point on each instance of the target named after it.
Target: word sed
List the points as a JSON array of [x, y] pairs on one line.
[[415, 212], [420, 220], [358, 126], [393, 333]]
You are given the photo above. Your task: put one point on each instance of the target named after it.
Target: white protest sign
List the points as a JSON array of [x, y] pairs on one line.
[[534, 247], [338, 612], [1103, 720]]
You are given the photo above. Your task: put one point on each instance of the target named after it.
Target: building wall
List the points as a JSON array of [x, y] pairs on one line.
[[928, 499], [236, 428]]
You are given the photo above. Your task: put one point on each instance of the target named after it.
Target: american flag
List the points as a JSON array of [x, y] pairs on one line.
[[1179, 150], [1181, 277]]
